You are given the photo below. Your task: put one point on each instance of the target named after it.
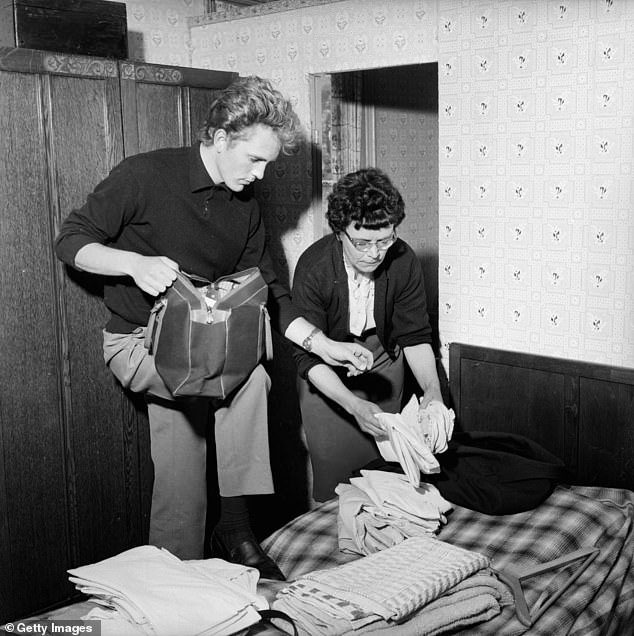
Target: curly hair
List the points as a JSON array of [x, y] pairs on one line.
[[246, 102], [366, 198]]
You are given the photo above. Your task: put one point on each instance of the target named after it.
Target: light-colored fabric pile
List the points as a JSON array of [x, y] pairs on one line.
[[415, 435], [149, 591], [478, 598], [380, 509], [378, 590]]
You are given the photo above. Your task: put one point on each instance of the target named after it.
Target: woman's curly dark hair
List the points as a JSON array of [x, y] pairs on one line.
[[366, 198]]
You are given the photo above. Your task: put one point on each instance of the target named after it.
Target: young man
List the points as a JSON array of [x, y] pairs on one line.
[[191, 209]]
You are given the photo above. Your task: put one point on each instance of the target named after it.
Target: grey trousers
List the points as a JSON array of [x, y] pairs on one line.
[[179, 449]]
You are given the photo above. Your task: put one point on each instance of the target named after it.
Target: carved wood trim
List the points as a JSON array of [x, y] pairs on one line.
[[32, 61]]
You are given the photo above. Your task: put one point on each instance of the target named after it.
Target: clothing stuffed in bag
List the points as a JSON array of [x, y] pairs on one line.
[[494, 473], [206, 338]]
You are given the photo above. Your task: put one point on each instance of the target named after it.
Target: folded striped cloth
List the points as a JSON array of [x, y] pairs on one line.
[[389, 585], [477, 599]]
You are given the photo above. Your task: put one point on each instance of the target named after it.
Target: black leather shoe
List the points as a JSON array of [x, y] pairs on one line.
[[248, 552]]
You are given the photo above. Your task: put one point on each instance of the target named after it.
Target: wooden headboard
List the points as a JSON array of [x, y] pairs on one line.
[[580, 411]]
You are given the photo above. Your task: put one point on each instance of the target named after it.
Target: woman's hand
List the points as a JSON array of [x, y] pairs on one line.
[[432, 394], [356, 358], [364, 412]]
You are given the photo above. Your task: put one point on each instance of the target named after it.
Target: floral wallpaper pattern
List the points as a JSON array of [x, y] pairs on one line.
[[287, 47], [536, 226], [158, 30], [536, 140]]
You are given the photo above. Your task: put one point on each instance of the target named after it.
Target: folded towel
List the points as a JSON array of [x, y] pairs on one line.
[[389, 585], [478, 598], [414, 435], [161, 595]]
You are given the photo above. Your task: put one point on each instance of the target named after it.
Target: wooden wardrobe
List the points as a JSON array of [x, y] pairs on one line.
[[75, 472]]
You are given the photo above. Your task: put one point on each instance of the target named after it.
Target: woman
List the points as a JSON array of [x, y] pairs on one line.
[[364, 284]]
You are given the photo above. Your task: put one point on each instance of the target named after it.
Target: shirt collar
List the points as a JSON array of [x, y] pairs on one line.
[[199, 179], [354, 275]]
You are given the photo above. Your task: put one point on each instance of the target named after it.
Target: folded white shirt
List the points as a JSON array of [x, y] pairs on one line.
[[161, 595], [394, 493], [414, 435]]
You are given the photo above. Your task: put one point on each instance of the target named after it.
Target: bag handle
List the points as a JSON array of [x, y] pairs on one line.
[[269, 614], [195, 277]]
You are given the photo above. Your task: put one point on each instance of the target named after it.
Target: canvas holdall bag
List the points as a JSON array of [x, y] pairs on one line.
[[206, 338]]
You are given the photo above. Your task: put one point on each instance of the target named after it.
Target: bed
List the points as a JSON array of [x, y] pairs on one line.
[[579, 411], [601, 601]]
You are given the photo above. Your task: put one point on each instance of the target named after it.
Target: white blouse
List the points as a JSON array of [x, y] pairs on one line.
[[361, 295]]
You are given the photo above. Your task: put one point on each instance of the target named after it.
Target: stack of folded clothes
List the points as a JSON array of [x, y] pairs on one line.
[[147, 590], [381, 509], [384, 589]]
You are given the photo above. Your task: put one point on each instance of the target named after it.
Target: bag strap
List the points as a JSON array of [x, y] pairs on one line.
[[268, 336], [269, 614], [152, 325]]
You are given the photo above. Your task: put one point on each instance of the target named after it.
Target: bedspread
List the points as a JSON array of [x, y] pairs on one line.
[[601, 601]]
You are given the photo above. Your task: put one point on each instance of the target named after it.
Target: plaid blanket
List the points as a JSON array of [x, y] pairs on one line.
[[600, 602]]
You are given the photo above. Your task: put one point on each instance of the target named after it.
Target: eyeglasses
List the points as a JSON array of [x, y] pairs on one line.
[[365, 246]]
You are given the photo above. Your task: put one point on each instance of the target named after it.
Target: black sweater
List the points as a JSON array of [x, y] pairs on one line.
[[320, 292], [164, 203]]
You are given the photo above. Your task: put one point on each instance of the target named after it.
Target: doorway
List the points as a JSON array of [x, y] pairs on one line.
[[386, 118]]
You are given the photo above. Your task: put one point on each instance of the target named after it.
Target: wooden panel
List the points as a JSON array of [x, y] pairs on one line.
[[160, 109], [160, 117], [586, 408], [75, 471], [102, 436], [199, 102], [606, 452], [85, 27], [513, 399], [34, 535]]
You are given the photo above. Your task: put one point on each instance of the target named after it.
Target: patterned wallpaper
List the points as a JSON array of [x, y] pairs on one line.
[[536, 102], [158, 31], [536, 202], [287, 47]]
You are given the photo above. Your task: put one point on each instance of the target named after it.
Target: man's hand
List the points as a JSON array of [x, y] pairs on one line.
[[354, 357], [364, 411], [153, 274]]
